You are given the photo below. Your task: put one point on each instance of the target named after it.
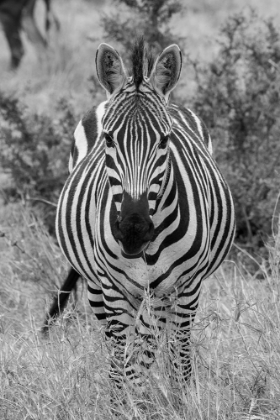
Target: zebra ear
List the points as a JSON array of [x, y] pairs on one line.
[[110, 69], [167, 70]]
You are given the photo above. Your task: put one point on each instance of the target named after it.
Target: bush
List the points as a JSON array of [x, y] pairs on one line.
[[34, 153], [150, 17], [238, 98]]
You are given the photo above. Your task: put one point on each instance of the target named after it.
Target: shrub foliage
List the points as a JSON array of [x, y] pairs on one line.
[[137, 17], [238, 98], [34, 153]]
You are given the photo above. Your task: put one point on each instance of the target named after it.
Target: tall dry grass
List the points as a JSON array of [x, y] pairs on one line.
[[235, 343]]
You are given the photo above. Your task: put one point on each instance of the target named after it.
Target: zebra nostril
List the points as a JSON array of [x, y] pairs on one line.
[[150, 232], [133, 231], [118, 233]]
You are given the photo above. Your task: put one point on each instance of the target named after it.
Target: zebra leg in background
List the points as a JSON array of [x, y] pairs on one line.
[[11, 27], [30, 27], [61, 299]]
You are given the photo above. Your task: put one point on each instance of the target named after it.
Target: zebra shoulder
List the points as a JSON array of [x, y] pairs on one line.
[[86, 135], [190, 121], [203, 132]]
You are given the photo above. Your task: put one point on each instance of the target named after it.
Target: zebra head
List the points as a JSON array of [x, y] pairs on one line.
[[136, 128]]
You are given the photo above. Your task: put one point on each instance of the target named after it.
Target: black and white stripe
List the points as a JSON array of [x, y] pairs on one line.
[[136, 151]]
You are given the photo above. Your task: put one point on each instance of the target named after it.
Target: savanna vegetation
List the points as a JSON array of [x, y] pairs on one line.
[[231, 79]]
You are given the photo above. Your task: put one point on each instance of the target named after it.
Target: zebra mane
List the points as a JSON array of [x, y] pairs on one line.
[[142, 61]]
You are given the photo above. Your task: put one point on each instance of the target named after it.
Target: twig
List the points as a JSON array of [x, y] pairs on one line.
[[42, 200]]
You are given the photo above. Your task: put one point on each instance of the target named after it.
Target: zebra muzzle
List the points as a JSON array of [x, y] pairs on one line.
[[134, 233]]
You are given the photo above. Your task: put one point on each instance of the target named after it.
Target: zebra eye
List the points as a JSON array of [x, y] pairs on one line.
[[109, 140], [163, 142]]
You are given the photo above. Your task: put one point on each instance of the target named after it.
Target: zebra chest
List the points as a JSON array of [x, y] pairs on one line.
[[134, 276], [162, 274], [141, 275]]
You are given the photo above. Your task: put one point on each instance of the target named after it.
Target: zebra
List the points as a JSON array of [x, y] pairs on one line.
[[18, 15], [145, 214]]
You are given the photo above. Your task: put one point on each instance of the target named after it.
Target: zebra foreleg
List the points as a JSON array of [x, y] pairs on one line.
[[181, 319], [180, 354], [139, 360], [132, 355], [116, 342], [179, 345]]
